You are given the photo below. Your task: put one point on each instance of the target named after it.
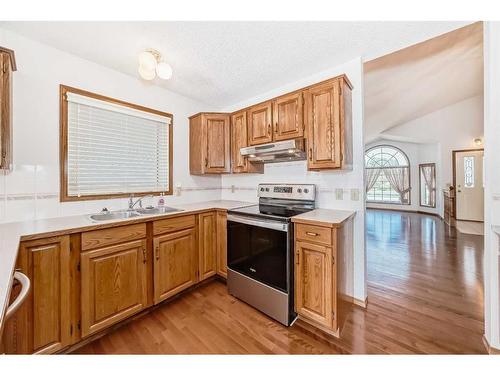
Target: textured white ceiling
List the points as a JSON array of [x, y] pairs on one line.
[[421, 79], [222, 63]]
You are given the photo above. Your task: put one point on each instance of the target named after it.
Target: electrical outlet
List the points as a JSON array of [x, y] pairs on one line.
[[339, 194], [178, 189], [355, 194], [233, 188]]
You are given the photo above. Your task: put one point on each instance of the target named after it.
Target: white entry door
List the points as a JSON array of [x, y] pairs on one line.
[[469, 185]]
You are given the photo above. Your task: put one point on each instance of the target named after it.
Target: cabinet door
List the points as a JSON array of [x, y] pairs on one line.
[[5, 111], [207, 257], [322, 106], [259, 124], [43, 323], [175, 265], [222, 244], [287, 117], [217, 134], [239, 139], [313, 282], [113, 284]]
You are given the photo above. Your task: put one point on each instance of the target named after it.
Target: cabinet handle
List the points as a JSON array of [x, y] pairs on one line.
[[144, 255], [310, 154], [25, 288], [297, 258], [157, 252], [269, 129], [276, 127], [312, 234], [206, 162]]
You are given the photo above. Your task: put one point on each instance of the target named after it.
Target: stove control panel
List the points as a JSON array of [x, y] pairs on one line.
[[287, 191]]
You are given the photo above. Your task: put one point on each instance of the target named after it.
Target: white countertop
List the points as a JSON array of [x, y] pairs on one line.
[[323, 216], [12, 233]]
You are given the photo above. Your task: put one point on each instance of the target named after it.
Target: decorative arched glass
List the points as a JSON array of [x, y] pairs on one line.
[[387, 175]]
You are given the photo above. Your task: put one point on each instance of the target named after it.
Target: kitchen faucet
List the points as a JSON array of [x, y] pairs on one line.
[[131, 203]]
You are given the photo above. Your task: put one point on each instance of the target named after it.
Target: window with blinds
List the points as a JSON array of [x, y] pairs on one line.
[[113, 148]]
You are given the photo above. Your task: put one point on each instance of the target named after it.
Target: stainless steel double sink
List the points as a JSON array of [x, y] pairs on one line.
[[126, 214]]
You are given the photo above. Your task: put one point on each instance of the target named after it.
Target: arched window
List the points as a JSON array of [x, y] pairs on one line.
[[387, 175]]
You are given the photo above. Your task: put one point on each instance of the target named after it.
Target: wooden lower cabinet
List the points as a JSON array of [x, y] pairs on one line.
[[86, 282], [113, 284], [313, 277], [175, 264], [207, 242], [324, 272], [43, 324], [222, 244]]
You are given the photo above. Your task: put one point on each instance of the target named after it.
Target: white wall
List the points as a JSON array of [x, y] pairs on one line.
[[453, 128], [492, 182], [418, 153], [31, 190], [326, 181]]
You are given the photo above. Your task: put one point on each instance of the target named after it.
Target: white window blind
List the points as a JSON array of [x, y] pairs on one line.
[[115, 149]]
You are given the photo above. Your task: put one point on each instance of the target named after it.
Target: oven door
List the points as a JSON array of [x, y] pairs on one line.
[[260, 249]]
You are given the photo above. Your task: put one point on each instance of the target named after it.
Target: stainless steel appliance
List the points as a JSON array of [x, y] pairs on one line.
[[276, 152], [260, 248]]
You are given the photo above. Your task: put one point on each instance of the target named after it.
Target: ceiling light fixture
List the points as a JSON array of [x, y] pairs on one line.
[[478, 142], [151, 65]]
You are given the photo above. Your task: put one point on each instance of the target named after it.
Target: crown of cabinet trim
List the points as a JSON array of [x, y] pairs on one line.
[[12, 56]]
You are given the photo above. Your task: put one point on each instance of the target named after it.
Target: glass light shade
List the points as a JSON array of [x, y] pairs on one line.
[[164, 70], [147, 60], [147, 74]]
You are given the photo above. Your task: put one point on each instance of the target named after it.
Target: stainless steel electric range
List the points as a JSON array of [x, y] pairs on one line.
[[260, 248]]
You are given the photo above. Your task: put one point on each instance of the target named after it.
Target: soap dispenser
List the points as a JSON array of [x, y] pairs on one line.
[[161, 201]]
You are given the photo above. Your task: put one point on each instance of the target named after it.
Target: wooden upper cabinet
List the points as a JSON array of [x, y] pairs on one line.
[[260, 124], [175, 264], [7, 66], [113, 284], [287, 117], [314, 295], [43, 323], [329, 125], [239, 139], [207, 242], [209, 143]]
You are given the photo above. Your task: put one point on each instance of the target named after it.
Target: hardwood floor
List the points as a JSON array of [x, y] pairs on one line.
[[425, 295]]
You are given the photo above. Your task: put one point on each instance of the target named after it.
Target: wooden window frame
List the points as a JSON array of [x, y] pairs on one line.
[[420, 166], [63, 145]]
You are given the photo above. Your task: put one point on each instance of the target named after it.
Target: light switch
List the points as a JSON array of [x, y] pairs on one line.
[[355, 194], [233, 188], [339, 194], [178, 189]]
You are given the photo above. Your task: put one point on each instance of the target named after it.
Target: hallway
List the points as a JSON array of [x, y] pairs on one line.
[[431, 276]]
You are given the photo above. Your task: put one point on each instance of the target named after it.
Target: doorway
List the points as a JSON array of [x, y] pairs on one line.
[[468, 180]]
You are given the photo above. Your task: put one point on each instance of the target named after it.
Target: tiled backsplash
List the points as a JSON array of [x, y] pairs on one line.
[[31, 192]]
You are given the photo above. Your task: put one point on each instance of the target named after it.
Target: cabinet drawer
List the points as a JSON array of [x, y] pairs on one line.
[[104, 237], [173, 224], [313, 233]]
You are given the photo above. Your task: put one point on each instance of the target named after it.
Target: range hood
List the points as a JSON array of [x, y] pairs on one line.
[[276, 152]]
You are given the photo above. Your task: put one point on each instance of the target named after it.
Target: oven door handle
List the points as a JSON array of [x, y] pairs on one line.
[[269, 224]]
